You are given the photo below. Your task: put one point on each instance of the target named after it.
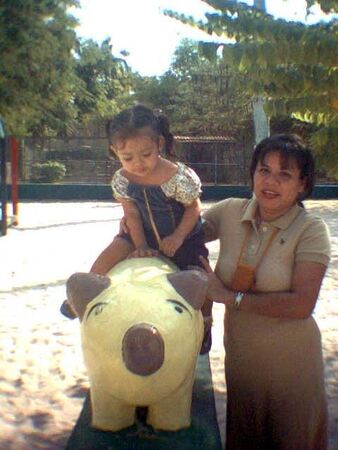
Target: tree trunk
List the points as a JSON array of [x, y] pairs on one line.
[[261, 121]]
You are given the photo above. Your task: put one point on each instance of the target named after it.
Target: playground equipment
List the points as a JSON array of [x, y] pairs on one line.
[[141, 331], [9, 153]]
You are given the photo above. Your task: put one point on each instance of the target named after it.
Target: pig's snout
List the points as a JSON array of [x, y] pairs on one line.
[[143, 349]]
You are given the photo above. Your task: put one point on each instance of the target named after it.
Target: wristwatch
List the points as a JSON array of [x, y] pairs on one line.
[[238, 298]]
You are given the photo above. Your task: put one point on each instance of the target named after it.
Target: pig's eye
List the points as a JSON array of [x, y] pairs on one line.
[[96, 309], [179, 307]]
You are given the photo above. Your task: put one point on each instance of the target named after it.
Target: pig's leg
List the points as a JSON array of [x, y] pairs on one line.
[[109, 413], [173, 412]]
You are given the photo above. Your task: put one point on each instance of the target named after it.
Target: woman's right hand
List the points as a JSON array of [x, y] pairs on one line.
[[217, 292]]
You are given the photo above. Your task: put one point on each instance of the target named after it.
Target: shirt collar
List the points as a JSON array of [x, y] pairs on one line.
[[249, 215]]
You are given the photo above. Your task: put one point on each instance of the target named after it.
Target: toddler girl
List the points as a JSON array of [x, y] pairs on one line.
[[160, 198]]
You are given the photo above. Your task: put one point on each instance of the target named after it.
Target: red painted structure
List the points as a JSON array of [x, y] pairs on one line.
[[9, 159], [14, 158]]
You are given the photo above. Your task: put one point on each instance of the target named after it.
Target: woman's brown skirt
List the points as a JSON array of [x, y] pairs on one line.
[[275, 384]]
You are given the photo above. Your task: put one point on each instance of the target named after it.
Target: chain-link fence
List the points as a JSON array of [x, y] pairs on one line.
[[217, 160]]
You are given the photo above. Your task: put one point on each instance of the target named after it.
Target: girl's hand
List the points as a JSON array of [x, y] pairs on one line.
[[123, 226], [143, 251], [170, 244], [217, 292]]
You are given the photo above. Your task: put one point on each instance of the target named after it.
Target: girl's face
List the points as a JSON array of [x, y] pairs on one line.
[[139, 155], [276, 187]]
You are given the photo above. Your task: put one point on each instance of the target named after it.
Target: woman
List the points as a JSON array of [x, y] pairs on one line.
[[272, 260]]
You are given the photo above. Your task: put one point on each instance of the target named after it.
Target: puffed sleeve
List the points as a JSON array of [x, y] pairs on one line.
[[185, 186], [119, 186], [314, 243]]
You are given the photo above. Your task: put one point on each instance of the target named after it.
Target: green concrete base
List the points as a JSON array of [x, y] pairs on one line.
[[40, 191], [203, 434]]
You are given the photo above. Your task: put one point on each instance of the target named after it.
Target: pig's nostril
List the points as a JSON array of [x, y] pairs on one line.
[[143, 349]]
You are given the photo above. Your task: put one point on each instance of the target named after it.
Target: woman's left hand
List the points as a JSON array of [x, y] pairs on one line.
[[217, 292]]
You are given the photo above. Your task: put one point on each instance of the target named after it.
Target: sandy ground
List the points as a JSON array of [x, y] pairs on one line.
[[42, 378]]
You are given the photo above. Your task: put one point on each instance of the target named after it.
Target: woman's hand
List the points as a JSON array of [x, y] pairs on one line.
[[217, 292]]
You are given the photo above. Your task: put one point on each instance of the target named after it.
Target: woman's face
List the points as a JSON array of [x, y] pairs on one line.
[[276, 186]]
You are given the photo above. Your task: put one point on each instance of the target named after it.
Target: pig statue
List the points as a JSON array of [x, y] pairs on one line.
[[141, 331]]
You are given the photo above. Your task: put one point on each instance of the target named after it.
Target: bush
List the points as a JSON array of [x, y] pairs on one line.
[[48, 172]]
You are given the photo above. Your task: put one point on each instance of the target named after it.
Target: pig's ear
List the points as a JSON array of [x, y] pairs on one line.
[[192, 285], [84, 287]]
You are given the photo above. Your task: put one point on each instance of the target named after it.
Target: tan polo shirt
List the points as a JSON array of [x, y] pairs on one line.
[[301, 236]]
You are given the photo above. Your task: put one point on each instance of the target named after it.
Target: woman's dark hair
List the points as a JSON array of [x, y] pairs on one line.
[[289, 146], [129, 122]]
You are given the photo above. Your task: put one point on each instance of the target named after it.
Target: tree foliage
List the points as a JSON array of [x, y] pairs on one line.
[[327, 6], [51, 82], [104, 80], [200, 97], [36, 39], [157, 92], [293, 66]]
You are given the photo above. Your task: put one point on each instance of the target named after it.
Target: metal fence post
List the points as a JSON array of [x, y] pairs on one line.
[[215, 165]]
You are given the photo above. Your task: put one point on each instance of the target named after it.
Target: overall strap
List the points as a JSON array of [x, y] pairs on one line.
[[246, 240], [151, 218]]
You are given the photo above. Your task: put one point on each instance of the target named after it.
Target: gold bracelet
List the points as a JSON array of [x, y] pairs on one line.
[[238, 298]]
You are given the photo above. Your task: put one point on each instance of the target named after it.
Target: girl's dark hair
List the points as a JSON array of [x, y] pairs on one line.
[[129, 122], [289, 146]]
